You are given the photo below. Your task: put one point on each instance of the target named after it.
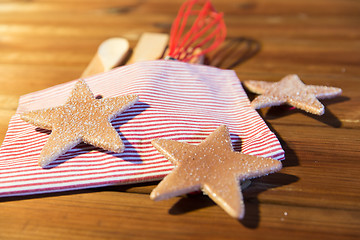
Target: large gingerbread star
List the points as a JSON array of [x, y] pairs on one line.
[[212, 166], [293, 91], [81, 118]]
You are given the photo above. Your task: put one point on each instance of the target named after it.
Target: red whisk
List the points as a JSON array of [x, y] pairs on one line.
[[206, 33]]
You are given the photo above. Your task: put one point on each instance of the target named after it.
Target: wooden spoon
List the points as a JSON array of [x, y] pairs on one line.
[[111, 53]]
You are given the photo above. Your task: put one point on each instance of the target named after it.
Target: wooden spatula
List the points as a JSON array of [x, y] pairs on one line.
[[111, 53], [151, 46]]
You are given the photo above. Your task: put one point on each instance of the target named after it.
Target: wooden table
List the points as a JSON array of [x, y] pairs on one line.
[[315, 196]]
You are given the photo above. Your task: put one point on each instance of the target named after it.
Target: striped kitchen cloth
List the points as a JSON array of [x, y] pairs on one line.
[[177, 100]]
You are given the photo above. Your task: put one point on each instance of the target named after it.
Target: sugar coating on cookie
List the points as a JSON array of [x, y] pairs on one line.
[[290, 90], [213, 167], [81, 118]]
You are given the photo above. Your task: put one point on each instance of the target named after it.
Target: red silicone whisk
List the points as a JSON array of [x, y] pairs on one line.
[[206, 33]]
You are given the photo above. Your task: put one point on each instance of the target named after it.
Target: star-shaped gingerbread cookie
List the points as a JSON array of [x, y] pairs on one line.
[[81, 118], [290, 90], [212, 166]]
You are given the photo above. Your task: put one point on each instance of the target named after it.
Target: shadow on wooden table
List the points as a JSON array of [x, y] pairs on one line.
[[290, 157], [233, 52], [194, 202], [327, 118], [259, 185]]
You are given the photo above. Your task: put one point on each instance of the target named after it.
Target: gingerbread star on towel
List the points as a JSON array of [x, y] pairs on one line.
[[290, 90], [81, 118], [212, 166]]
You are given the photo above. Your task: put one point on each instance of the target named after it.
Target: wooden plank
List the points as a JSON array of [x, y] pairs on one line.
[[133, 216]]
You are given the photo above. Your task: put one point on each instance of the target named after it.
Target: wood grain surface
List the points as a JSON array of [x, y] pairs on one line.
[[315, 196]]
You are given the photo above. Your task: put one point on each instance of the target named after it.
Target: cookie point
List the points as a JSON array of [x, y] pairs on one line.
[[119, 148], [132, 99], [241, 215], [292, 75], [278, 165], [135, 96], [319, 111], [81, 82], [155, 141], [44, 162], [23, 117], [154, 196], [254, 105], [235, 213], [223, 127]]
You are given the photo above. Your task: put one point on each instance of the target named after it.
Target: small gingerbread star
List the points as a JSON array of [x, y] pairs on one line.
[[212, 166], [81, 118], [290, 90]]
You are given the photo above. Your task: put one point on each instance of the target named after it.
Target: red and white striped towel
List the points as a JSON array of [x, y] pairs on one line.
[[177, 101]]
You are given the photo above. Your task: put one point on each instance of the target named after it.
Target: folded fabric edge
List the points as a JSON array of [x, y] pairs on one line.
[[79, 187]]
